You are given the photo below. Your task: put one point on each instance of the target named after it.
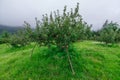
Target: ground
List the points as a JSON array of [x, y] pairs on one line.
[[95, 61]]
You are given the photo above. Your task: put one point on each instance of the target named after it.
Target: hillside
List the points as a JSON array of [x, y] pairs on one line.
[[97, 62], [9, 28]]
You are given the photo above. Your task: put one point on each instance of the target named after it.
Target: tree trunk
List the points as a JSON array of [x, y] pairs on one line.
[[71, 65], [33, 49]]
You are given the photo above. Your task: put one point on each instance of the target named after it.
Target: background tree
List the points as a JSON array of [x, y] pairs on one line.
[[19, 39], [5, 37], [109, 32], [117, 37]]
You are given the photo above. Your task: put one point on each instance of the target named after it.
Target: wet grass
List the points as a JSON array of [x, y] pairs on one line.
[[91, 61]]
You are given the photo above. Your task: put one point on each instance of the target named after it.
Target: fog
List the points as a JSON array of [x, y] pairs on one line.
[[15, 12]]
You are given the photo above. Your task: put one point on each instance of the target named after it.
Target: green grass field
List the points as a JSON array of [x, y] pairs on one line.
[[96, 62]]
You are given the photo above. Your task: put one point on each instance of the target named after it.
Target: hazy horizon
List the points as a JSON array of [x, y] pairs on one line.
[[15, 12]]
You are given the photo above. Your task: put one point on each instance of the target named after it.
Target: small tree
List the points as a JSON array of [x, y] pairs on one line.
[[60, 30]]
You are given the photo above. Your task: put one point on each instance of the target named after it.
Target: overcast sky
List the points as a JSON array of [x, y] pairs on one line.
[[15, 12]]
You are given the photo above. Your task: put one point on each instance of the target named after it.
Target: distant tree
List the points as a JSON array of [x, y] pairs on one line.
[[117, 37], [87, 35], [28, 32], [18, 39], [109, 32], [95, 35], [5, 37]]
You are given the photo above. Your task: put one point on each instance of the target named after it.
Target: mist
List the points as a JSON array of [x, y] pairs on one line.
[[15, 12]]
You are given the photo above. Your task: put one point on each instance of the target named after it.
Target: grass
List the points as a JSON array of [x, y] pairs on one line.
[[92, 61]]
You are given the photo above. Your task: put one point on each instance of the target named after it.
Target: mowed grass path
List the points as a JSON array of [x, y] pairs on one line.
[[97, 62]]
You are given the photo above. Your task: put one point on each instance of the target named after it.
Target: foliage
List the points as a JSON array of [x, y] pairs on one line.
[[19, 39], [109, 32], [4, 37], [60, 30], [117, 37]]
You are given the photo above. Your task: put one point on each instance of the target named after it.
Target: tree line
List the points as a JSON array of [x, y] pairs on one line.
[[109, 33]]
